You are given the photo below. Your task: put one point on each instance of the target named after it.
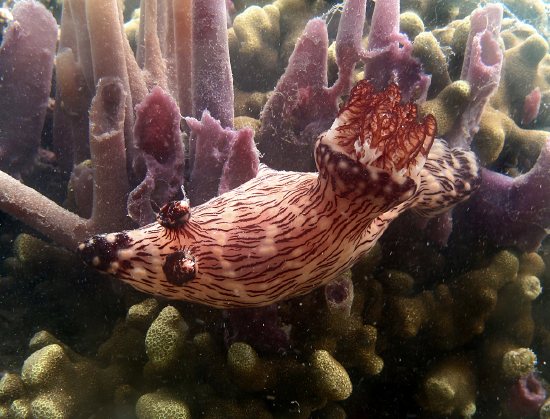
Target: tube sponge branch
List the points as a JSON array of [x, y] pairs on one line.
[[26, 65], [111, 186], [99, 85]]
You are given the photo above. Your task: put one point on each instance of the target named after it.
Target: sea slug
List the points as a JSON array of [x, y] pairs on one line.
[[282, 234]]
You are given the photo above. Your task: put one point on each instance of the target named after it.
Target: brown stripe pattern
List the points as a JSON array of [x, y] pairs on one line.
[[284, 234]]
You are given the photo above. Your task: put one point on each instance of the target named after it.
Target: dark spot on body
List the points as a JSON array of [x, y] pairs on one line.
[[174, 214], [180, 268], [99, 252]]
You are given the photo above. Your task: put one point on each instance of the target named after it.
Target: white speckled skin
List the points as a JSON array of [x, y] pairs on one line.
[[282, 234]]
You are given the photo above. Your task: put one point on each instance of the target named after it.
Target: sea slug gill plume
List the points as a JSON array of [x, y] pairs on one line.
[[282, 234]]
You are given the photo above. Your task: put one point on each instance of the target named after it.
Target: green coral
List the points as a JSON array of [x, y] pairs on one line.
[[248, 370], [49, 376], [450, 387], [427, 49], [410, 24], [11, 391], [140, 316], [330, 379], [165, 341], [448, 105], [161, 405], [519, 362]]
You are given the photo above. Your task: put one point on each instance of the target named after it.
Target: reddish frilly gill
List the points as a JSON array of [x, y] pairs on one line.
[[283, 234]]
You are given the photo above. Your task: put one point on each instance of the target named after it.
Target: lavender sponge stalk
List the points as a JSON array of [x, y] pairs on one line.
[[26, 65], [513, 211]]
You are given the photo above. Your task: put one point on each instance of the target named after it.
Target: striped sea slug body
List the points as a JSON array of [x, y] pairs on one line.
[[282, 234]]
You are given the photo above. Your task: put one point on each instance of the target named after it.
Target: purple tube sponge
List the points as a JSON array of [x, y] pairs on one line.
[[26, 65], [482, 69], [526, 396], [260, 327], [339, 294], [298, 111], [159, 157], [110, 180], [512, 211], [223, 159], [388, 57], [303, 106], [212, 77], [531, 106]]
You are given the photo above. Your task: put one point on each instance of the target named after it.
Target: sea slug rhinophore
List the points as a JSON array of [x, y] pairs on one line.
[[282, 234]]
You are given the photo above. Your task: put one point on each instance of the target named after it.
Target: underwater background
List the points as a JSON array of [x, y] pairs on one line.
[[111, 110]]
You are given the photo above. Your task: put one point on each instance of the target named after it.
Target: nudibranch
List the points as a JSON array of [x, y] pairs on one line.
[[283, 234]]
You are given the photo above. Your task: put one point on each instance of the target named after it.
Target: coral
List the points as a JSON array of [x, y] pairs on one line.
[[437, 13], [255, 36], [248, 370], [521, 62], [331, 379], [161, 405], [499, 138], [249, 105], [448, 104], [441, 312], [57, 387], [164, 341], [450, 387], [294, 16], [434, 62], [131, 29], [545, 410], [34, 256], [341, 333], [11, 389], [517, 363], [125, 344], [321, 364], [323, 375], [140, 316], [532, 10], [411, 25]]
